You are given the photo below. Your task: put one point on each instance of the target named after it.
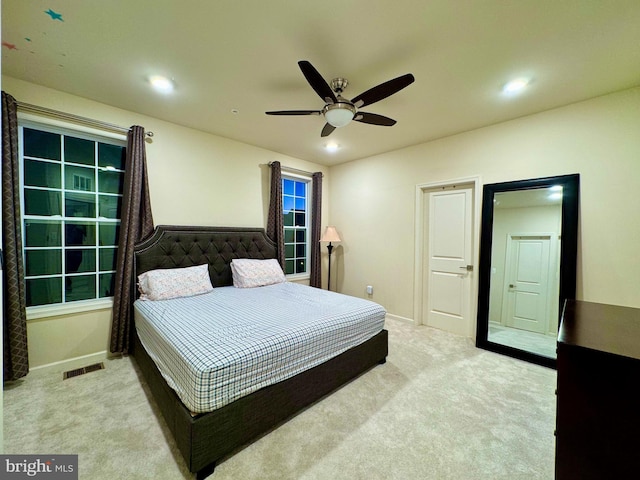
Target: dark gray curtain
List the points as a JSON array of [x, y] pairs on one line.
[[316, 216], [275, 227], [136, 224], [14, 324]]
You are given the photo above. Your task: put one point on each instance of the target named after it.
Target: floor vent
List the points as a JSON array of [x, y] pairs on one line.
[[82, 370]]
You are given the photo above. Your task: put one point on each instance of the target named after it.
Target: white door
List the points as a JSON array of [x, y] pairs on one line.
[[449, 260], [526, 289]]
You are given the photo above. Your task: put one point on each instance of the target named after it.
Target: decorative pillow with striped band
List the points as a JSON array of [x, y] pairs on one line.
[[249, 273], [166, 283]]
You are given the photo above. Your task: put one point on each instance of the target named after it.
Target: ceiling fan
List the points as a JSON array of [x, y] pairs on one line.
[[338, 111]]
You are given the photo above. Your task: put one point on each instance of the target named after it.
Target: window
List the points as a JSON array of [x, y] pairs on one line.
[[296, 210], [71, 188]]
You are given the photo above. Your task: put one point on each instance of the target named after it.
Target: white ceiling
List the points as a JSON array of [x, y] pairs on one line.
[[243, 54]]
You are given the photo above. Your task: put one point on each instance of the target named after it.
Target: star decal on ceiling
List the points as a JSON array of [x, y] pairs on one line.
[[10, 46], [54, 15]]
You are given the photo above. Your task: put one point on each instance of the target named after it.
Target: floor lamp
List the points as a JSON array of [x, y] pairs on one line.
[[330, 235]]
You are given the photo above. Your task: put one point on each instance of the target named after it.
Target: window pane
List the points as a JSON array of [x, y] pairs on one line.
[[111, 156], [82, 287], [41, 291], [300, 236], [43, 233], [42, 202], [107, 284], [287, 204], [301, 266], [109, 233], [288, 235], [288, 187], [80, 260], [300, 189], [42, 174], [78, 234], [41, 144], [79, 178], [43, 262], [300, 220], [289, 267], [78, 150], [108, 258], [288, 219], [301, 250], [110, 182], [110, 206], [289, 251], [80, 205], [300, 204]]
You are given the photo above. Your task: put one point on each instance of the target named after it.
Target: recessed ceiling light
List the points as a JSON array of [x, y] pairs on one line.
[[556, 192], [332, 147], [555, 196], [515, 86], [161, 84]]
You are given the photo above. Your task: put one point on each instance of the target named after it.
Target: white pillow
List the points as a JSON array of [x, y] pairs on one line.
[[249, 273], [167, 283]]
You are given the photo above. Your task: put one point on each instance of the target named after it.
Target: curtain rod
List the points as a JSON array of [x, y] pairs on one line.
[[296, 170], [69, 117]]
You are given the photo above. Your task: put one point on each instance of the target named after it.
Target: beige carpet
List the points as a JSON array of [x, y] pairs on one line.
[[438, 409]]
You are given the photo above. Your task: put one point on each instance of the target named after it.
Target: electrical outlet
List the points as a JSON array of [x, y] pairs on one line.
[[369, 289]]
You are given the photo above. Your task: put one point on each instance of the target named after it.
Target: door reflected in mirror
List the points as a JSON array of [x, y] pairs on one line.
[[525, 269], [528, 252]]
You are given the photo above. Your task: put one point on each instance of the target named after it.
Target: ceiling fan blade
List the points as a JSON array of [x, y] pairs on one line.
[[383, 90], [316, 81], [374, 119], [327, 130], [295, 112]]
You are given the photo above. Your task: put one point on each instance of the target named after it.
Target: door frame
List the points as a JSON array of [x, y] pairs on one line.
[[421, 234]]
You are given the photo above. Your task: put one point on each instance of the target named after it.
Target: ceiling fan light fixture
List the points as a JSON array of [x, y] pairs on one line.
[[339, 114]]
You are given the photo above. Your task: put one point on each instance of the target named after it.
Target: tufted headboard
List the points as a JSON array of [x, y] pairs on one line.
[[185, 246]]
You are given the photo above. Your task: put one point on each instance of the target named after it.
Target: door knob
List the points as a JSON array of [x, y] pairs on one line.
[[468, 268]]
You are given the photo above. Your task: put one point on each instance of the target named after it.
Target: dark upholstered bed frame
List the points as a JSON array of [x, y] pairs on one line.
[[207, 438]]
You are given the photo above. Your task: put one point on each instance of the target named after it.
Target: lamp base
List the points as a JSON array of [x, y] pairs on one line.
[[330, 249]]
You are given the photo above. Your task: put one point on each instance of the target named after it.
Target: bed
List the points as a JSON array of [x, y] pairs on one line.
[[206, 437]]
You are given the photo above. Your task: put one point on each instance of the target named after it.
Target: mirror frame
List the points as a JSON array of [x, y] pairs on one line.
[[568, 256]]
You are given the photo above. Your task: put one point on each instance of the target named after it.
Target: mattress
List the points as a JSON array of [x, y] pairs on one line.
[[220, 346]]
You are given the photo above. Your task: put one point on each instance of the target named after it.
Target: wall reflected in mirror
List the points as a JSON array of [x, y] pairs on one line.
[[525, 269], [528, 255]]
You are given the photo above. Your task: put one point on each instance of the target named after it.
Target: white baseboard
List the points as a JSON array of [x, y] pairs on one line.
[[401, 319], [72, 363]]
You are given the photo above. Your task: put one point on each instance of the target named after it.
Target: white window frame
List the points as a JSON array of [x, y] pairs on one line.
[[308, 216], [61, 128]]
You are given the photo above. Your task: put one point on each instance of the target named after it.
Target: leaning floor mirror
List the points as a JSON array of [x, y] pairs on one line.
[[528, 255]]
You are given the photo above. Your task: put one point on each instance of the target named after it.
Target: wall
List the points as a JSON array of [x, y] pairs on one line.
[[373, 200], [194, 179]]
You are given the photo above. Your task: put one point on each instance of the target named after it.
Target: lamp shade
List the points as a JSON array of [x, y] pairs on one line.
[[330, 235]]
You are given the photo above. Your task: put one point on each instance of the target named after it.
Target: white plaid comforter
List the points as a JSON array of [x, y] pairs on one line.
[[217, 347]]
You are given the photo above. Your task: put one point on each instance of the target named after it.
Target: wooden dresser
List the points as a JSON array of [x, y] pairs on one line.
[[598, 396]]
